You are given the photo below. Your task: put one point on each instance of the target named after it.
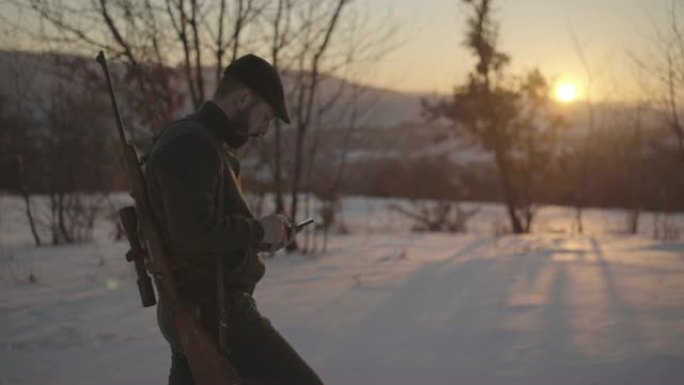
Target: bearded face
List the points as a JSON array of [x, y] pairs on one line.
[[253, 120]]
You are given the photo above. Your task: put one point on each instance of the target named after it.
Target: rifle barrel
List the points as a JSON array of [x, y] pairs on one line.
[[122, 132]]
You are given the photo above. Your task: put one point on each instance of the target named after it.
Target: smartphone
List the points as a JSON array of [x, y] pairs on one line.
[[299, 226]]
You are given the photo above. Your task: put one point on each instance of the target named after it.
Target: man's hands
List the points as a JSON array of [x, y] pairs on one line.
[[278, 232]]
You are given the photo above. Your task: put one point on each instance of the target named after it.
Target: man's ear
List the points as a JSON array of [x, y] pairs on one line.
[[242, 98]]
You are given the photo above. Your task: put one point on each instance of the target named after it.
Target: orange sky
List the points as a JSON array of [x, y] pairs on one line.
[[536, 33]]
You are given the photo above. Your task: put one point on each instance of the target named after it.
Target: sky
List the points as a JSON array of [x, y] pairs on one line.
[[536, 33], [429, 56]]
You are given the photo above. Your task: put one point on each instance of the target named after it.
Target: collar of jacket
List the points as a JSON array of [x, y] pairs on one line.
[[211, 116]]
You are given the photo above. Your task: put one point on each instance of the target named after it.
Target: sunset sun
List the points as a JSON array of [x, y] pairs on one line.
[[566, 92]]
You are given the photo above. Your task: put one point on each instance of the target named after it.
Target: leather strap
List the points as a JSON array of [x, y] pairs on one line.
[[220, 266]]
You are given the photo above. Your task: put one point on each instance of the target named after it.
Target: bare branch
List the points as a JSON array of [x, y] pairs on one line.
[[199, 77], [117, 35]]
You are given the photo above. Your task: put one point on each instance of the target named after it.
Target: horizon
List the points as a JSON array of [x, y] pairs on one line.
[[576, 103]]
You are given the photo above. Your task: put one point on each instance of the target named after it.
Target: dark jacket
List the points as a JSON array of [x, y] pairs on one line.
[[193, 183]]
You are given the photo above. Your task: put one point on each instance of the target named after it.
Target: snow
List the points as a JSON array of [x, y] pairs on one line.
[[383, 306]]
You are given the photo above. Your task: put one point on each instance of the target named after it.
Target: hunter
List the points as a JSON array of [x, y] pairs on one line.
[[193, 180]]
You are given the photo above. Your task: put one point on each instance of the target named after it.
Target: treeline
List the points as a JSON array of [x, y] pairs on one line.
[[56, 142], [620, 173]]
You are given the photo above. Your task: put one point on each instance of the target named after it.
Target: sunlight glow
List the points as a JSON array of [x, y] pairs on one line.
[[566, 92], [112, 284]]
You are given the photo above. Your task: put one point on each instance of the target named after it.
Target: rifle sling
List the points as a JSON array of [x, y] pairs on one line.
[[220, 268]]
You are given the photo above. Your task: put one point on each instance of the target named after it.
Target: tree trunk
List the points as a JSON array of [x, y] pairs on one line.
[[29, 215], [508, 190], [66, 236]]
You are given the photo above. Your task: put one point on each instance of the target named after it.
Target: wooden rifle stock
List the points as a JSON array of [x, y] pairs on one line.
[[208, 365]]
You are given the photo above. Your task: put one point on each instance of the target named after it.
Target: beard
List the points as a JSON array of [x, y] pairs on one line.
[[241, 121]]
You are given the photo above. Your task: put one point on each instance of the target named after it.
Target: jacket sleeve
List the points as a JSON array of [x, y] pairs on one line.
[[188, 174]]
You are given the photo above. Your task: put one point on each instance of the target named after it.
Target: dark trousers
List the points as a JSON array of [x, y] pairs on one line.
[[258, 352]]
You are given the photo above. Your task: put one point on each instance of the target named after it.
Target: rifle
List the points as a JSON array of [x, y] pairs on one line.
[[209, 366]]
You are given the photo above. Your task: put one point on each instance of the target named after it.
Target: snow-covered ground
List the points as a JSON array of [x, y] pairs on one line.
[[383, 306]]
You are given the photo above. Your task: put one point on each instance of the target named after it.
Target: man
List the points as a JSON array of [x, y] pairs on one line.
[[193, 182]]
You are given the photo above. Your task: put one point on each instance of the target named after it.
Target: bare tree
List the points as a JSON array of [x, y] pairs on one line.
[[18, 144], [52, 146], [313, 50], [281, 38], [674, 53], [72, 156], [339, 113], [163, 48], [580, 191], [493, 109], [136, 33], [636, 161], [28, 208], [440, 216], [666, 67], [534, 148]]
